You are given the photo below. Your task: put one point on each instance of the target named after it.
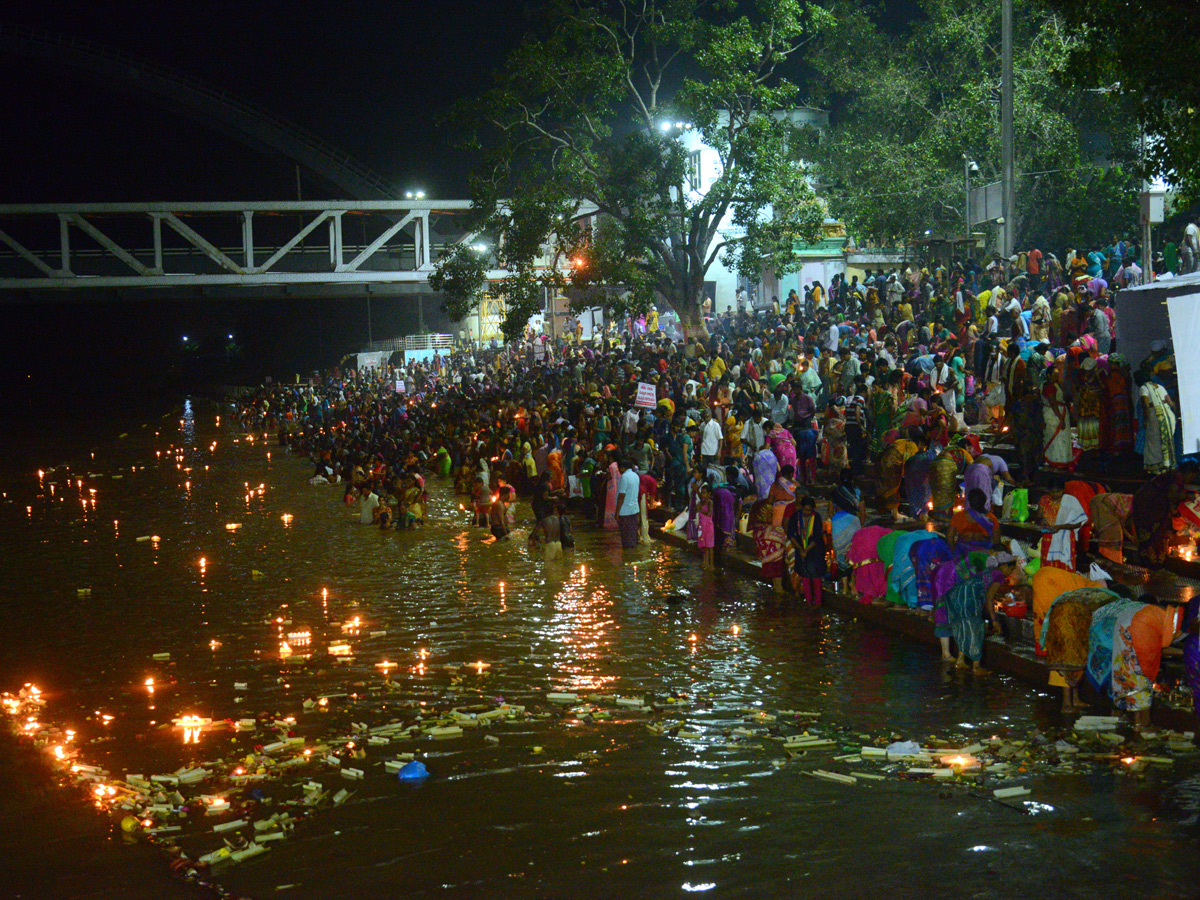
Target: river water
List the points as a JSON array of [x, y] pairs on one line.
[[605, 807]]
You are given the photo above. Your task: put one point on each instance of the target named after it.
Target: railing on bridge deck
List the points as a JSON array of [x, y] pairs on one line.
[[413, 342], [242, 243]]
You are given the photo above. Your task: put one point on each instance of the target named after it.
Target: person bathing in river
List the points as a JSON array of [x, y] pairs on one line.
[[498, 517], [547, 533]]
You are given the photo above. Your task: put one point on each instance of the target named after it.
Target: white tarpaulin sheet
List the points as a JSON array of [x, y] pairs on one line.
[[375, 360], [1185, 332]]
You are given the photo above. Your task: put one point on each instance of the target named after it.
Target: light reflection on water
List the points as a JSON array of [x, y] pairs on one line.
[[497, 820]]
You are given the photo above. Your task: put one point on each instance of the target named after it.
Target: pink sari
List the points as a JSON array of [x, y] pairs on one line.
[[783, 445], [610, 500], [870, 574]]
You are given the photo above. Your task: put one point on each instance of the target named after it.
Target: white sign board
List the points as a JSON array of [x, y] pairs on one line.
[[647, 396], [373, 360], [1185, 332]]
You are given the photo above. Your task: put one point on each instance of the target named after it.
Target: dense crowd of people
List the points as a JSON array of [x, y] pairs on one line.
[[873, 433]]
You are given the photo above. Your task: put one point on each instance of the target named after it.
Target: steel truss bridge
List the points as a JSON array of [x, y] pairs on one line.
[[227, 245]]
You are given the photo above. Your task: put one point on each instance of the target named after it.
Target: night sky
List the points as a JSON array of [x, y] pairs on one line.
[[371, 76]]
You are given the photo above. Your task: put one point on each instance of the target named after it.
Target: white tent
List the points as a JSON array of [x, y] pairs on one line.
[[1167, 310]]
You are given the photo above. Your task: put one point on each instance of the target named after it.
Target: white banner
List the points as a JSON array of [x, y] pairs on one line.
[[375, 360], [647, 397], [1185, 332]]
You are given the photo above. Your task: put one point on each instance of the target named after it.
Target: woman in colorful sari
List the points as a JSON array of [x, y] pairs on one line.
[[1061, 542], [1039, 320], [973, 528], [916, 481], [1158, 412], [806, 532], [835, 439], [1049, 583], [1125, 646], [724, 518], [1110, 515], [1064, 635], [810, 381], [695, 483], [943, 485], [927, 557], [890, 474], [965, 607], [783, 445], [886, 548], [1191, 650], [1152, 514], [558, 478], [883, 415], [902, 579], [1092, 398], [782, 495], [1120, 407], [610, 496], [771, 541], [1056, 427], [870, 574], [766, 467]]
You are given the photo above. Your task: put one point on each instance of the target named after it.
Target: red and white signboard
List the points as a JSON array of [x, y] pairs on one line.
[[647, 397]]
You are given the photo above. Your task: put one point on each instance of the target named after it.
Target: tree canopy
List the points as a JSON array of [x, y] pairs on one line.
[[1148, 53], [911, 103], [580, 142]]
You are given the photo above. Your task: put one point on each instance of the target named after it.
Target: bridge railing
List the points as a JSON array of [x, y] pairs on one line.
[[225, 243]]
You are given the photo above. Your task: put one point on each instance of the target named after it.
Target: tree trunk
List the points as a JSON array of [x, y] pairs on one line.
[[689, 306], [692, 322]]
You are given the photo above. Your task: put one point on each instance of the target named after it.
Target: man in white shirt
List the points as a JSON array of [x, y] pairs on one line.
[[367, 506], [710, 438], [752, 434], [895, 291], [627, 504], [943, 380], [832, 338]]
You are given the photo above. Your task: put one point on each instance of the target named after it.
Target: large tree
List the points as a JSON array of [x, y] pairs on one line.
[[1148, 52], [912, 98], [581, 157]]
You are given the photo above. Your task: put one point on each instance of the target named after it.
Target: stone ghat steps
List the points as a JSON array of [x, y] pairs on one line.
[[1012, 656]]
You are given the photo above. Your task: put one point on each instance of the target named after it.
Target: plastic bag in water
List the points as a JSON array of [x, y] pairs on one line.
[[413, 771], [903, 748]]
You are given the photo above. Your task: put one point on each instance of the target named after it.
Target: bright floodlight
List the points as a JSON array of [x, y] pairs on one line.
[[185, 338], [479, 248], [230, 336], [420, 195], [665, 126], [408, 195]]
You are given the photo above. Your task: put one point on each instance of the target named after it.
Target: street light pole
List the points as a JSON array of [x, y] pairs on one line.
[[966, 198], [1006, 126]]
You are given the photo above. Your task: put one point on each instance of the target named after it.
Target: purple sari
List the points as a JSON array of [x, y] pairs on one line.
[[724, 519], [927, 558], [766, 467]]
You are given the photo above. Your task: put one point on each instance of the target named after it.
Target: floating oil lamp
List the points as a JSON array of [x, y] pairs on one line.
[[960, 762]]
